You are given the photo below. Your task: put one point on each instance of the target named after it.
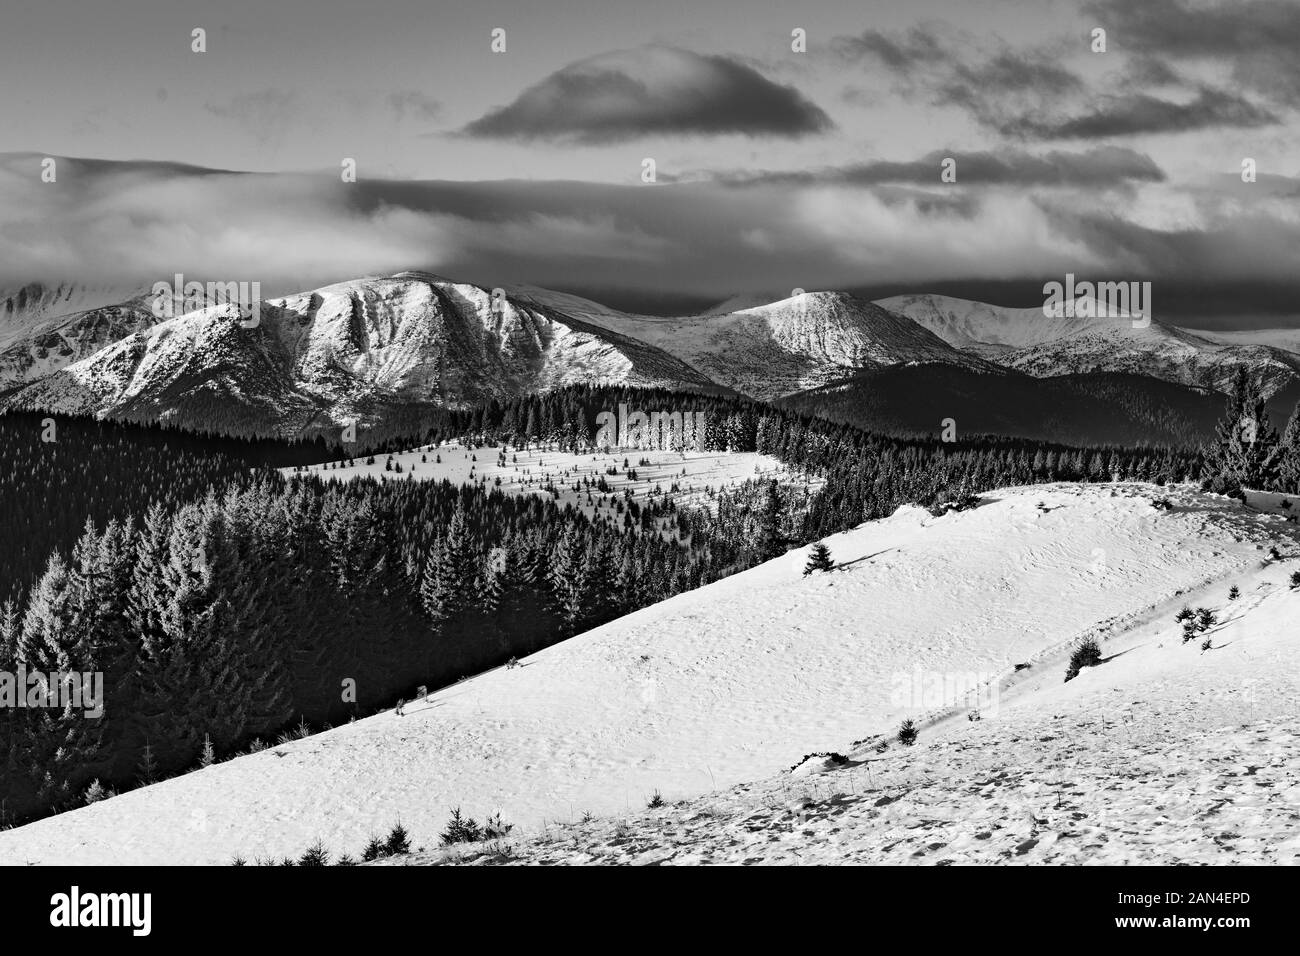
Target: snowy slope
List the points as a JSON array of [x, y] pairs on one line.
[[723, 685], [1286, 339], [965, 323], [52, 344], [1166, 753], [348, 352]]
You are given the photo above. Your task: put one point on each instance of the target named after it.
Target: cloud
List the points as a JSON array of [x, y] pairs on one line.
[[1104, 166], [1150, 71], [902, 53], [1033, 94], [651, 91], [1137, 113], [133, 224], [947, 69], [1258, 39]]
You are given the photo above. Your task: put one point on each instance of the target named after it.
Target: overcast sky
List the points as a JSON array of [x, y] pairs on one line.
[[775, 168]]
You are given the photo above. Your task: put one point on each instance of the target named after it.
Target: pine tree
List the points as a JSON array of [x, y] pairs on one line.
[[148, 766], [9, 632], [819, 559], [95, 792], [450, 573], [316, 855], [1244, 453], [771, 541], [1086, 654], [1286, 459], [572, 581], [460, 829], [398, 841]]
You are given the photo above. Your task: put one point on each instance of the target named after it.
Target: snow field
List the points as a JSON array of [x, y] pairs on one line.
[[734, 682]]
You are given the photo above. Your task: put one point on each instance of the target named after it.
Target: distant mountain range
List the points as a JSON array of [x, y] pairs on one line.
[[1028, 341], [367, 350]]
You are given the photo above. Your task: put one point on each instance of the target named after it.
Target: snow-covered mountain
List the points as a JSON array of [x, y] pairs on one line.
[[22, 308], [47, 345], [788, 346], [1043, 346], [1163, 352], [966, 324], [1286, 339], [731, 684], [367, 349], [353, 351]]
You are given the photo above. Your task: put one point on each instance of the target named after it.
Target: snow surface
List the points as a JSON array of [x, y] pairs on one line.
[[1166, 753], [534, 470], [734, 682]]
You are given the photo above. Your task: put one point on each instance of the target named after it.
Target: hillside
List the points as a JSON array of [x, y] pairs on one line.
[[1103, 408], [1164, 754], [727, 684]]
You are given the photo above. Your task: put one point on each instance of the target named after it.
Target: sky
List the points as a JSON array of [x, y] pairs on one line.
[[775, 167]]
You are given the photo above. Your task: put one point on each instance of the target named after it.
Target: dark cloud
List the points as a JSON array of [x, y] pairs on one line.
[[1030, 94], [1100, 167], [1135, 113], [1149, 71], [1009, 72], [1259, 38], [919, 46], [947, 71], [650, 91]]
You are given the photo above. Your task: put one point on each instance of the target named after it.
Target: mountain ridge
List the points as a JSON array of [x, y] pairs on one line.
[[364, 350]]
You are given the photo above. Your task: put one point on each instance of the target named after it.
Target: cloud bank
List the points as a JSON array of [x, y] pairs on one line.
[[1020, 218]]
